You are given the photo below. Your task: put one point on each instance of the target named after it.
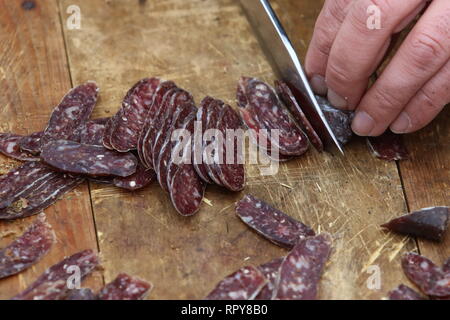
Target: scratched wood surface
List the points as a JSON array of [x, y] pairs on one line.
[[205, 46], [33, 78]]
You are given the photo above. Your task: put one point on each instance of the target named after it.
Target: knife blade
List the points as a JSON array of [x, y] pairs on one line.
[[287, 66]]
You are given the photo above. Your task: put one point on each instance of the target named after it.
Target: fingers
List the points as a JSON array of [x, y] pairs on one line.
[[327, 26], [425, 51], [359, 45], [426, 105]]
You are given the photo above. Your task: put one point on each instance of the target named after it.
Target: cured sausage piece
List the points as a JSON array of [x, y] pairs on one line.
[[389, 146], [20, 181], [52, 284], [28, 249], [244, 284], [125, 287], [92, 132], [198, 143], [302, 269], [72, 157], [270, 270], [74, 110], [271, 223], [83, 294], [178, 100], [428, 223], [286, 95], [10, 147], [269, 113], [183, 113], [339, 121], [32, 143], [158, 97], [141, 179], [107, 134], [130, 120], [152, 133], [446, 267], [231, 173], [50, 190], [431, 279], [403, 292]]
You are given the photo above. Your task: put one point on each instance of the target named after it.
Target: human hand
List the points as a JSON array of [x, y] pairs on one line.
[[345, 52]]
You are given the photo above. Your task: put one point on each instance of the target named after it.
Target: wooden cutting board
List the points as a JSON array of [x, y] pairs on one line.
[[204, 46]]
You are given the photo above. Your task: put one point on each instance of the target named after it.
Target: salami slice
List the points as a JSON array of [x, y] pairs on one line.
[[158, 98], [428, 223], [21, 181], [286, 95], [83, 294], [73, 111], [92, 132], [244, 284], [32, 143], [107, 134], [125, 287], [271, 223], [446, 266], [431, 279], [41, 196], [339, 121], [231, 172], [77, 158], [183, 113], [198, 143], [389, 147], [141, 179], [270, 270], [10, 147], [53, 283], [269, 113], [302, 269], [403, 292], [28, 249], [130, 119]]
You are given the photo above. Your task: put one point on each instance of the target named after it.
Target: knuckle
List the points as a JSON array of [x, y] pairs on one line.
[[426, 48], [322, 41], [337, 74], [388, 103], [337, 9]]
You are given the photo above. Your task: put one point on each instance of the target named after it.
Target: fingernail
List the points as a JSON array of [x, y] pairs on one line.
[[336, 100], [402, 124], [319, 85], [363, 124]]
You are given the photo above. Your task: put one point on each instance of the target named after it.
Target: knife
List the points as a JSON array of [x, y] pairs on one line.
[[286, 64]]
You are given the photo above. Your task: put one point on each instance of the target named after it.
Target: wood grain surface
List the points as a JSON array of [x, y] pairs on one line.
[[205, 46]]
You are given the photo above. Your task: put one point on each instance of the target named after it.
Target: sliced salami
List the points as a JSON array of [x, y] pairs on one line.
[[183, 113], [403, 292], [73, 111], [428, 223], [21, 181], [130, 119], [10, 147], [389, 147], [302, 269], [141, 179], [431, 279], [286, 95], [28, 249], [269, 113], [72, 157], [92, 132], [107, 134], [43, 195], [158, 98], [53, 283], [32, 143], [270, 270], [83, 294], [271, 223], [339, 121], [125, 287], [446, 266], [244, 284]]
